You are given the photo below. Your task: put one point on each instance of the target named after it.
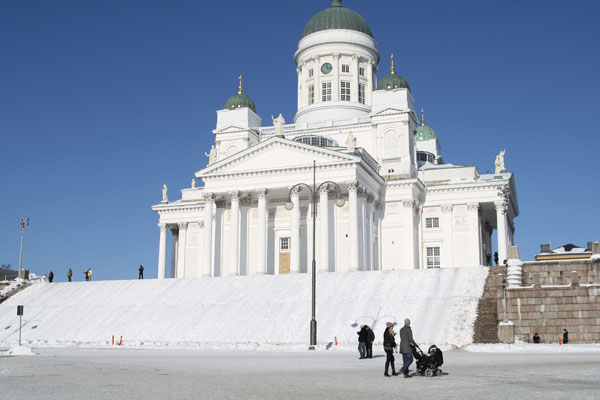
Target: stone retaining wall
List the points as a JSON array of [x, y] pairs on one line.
[[559, 272]]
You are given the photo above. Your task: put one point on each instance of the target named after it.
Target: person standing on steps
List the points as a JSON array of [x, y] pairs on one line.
[[69, 274], [141, 272], [50, 276], [565, 335], [406, 340], [496, 257], [362, 341], [370, 340], [389, 344]]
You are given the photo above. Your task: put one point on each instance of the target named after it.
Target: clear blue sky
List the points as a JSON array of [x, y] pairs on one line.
[[101, 102]]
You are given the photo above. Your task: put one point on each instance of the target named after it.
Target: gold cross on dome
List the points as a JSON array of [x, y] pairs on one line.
[[240, 87], [392, 69]]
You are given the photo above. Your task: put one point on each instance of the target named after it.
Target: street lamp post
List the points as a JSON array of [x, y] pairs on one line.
[[289, 206], [24, 224]]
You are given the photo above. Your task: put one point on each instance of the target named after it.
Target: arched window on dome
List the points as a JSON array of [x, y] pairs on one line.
[[314, 140]]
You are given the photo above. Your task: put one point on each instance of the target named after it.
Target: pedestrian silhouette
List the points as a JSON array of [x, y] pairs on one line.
[[141, 272]]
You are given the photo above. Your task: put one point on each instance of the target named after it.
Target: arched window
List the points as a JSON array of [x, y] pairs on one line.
[[391, 145], [313, 140]]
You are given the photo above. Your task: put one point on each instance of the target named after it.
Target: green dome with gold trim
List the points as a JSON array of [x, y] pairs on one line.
[[240, 100], [392, 80], [336, 17], [425, 132]]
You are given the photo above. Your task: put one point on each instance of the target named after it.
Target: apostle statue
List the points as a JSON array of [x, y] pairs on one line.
[[500, 163], [350, 143], [193, 183], [278, 124], [212, 155], [165, 199]]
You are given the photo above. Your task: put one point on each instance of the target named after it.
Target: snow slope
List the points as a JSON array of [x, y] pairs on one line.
[[269, 312]]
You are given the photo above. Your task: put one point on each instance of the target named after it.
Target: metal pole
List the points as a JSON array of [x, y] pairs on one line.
[[504, 300], [24, 224], [313, 321], [20, 324]]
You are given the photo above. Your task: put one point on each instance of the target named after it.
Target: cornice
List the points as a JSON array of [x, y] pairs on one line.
[[279, 171]]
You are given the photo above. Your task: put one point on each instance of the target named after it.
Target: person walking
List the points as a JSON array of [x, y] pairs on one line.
[[370, 340], [565, 335], [69, 274], [406, 340], [87, 278], [389, 344], [141, 272], [50, 276], [362, 341]]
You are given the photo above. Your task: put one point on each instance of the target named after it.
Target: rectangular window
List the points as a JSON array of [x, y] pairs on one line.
[[433, 257], [326, 91], [432, 222], [311, 94], [345, 91], [361, 93], [361, 71], [310, 73], [345, 68], [284, 243]]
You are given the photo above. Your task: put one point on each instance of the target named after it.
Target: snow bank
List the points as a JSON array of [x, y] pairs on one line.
[[268, 312], [533, 348], [19, 351]]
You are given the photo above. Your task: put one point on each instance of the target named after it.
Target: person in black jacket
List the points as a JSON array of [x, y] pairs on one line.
[[536, 338], [565, 335], [362, 341], [370, 340], [389, 344]]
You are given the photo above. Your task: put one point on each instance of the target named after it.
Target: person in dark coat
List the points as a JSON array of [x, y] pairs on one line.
[[406, 340], [389, 344], [370, 340], [50, 276], [565, 335], [496, 257], [488, 259], [141, 272], [69, 274], [362, 341], [536, 338]]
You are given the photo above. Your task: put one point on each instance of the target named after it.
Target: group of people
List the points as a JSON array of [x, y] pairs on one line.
[[366, 337], [565, 337], [88, 275]]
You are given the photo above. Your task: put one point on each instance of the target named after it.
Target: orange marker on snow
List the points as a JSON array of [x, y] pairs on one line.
[[336, 342]]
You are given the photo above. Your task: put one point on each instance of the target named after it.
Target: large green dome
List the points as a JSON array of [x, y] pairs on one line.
[[337, 17]]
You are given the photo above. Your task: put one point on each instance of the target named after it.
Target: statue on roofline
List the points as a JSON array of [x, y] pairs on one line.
[[500, 168], [165, 199], [278, 123], [212, 155]]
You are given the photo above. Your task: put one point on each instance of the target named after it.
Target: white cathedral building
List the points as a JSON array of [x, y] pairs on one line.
[[384, 197]]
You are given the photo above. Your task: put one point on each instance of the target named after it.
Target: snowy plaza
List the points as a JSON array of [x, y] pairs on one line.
[[482, 372]]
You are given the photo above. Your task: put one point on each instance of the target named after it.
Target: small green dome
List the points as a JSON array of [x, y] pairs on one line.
[[424, 132], [392, 81], [336, 17], [240, 100]]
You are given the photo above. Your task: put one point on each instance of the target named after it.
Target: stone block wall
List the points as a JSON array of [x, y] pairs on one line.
[[559, 272]]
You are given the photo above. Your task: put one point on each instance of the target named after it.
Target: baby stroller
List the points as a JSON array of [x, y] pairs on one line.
[[428, 364]]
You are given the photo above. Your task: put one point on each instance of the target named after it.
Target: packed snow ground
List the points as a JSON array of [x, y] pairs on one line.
[[121, 373], [267, 312]]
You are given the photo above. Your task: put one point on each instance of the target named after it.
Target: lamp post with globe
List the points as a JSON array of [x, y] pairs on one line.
[[289, 206]]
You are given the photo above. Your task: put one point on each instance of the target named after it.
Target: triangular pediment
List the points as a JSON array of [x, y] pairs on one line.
[[277, 154], [387, 111], [232, 129]]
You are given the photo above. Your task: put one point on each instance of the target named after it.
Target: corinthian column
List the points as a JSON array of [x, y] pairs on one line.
[[324, 222], [234, 234], [295, 234], [353, 208], [261, 251], [474, 233], [502, 235], [162, 251], [181, 249], [208, 230]]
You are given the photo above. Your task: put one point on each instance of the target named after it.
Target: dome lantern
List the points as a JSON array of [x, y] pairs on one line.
[[240, 100]]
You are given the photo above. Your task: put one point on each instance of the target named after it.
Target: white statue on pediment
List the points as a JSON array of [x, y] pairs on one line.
[[350, 143], [193, 183], [165, 199], [500, 163], [212, 155], [278, 123]]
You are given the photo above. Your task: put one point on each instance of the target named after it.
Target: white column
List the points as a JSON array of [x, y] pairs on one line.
[[181, 249], [295, 234], [353, 208], [208, 234], [234, 234], [447, 249], [261, 251], [501, 233], [317, 75], [474, 233], [335, 79], [162, 251], [355, 79], [300, 88], [369, 233], [324, 223], [370, 86], [174, 250], [419, 239]]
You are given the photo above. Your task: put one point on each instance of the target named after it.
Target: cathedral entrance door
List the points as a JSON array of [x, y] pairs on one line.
[[284, 255]]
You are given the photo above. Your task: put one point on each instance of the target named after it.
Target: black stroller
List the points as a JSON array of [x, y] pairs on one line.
[[428, 364]]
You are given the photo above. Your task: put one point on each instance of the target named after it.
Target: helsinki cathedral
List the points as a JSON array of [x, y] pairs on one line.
[[357, 182]]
